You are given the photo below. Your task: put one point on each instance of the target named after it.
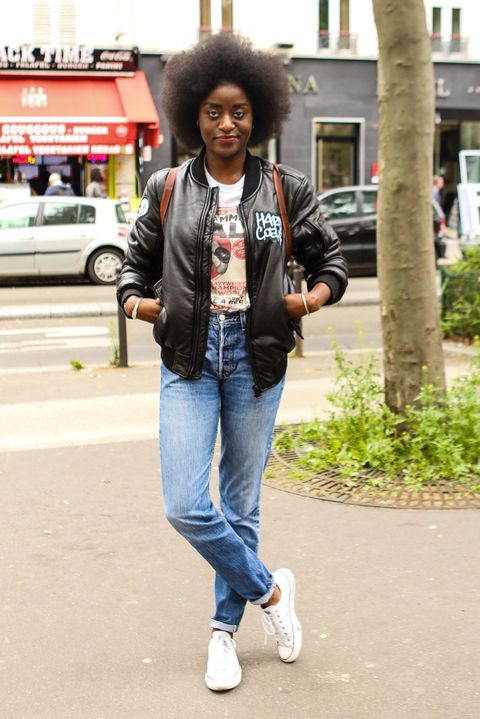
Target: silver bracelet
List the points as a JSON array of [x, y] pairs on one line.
[[305, 304], [135, 308]]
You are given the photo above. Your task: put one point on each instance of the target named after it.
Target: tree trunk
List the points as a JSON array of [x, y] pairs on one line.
[[406, 259]]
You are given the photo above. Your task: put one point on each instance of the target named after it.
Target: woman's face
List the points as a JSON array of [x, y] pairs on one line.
[[225, 121]]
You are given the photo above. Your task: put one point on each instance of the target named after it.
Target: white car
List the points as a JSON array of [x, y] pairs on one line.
[[59, 235]]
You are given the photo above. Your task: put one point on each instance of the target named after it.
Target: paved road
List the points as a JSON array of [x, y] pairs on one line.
[[54, 341]]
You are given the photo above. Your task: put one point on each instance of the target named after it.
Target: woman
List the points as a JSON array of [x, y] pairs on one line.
[[222, 316], [95, 187]]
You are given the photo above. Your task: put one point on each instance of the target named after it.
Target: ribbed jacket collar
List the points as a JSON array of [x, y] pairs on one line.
[[253, 173]]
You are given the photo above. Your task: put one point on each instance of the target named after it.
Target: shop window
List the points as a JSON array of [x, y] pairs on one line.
[[59, 214], [470, 136], [16, 217], [337, 145], [86, 215]]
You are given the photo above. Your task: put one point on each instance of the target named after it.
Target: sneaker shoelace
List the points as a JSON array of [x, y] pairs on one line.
[[274, 625], [224, 649]]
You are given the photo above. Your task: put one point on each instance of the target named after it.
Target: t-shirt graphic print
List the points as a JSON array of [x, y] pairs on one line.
[[228, 276]]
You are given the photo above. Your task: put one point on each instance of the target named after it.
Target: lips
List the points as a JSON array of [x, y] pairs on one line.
[[226, 138]]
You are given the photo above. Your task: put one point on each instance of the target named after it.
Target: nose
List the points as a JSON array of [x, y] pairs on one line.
[[226, 122]]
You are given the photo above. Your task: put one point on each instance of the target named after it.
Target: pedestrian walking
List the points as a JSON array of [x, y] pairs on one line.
[[212, 278], [95, 187], [438, 184], [57, 186]]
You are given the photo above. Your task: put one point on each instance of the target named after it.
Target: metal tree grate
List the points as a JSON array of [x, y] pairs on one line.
[[285, 472]]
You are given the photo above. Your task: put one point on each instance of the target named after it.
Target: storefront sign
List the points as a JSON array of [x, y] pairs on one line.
[[67, 59], [66, 138], [304, 85], [441, 90]]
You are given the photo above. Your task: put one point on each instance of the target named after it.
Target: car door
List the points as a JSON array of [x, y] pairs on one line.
[[65, 229], [368, 228], [17, 232], [341, 210]]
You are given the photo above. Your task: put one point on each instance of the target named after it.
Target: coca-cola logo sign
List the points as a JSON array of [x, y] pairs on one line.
[[68, 59]]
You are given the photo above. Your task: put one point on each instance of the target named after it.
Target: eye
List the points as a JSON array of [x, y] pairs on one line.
[[212, 114], [239, 114]]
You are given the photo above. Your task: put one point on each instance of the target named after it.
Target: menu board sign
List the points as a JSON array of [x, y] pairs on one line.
[[66, 138], [68, 59]]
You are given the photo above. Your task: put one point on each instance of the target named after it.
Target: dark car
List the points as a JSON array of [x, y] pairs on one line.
[[352, 212]]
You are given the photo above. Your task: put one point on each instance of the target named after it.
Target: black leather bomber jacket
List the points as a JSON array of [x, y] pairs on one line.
[[174, 264]]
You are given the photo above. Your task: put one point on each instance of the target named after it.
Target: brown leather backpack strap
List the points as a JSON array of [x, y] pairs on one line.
[[277, 179], [167, 192]]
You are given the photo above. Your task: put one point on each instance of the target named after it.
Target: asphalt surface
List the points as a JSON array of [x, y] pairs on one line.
[[47, 326], [105, 608]]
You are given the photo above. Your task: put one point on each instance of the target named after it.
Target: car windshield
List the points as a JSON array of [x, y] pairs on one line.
[[120, 213]]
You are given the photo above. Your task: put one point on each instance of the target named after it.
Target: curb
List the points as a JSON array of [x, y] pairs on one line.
[[41, 312]]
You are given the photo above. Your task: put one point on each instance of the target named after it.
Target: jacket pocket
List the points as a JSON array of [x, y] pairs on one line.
[[158, 289], [159, 327], [294, 323]]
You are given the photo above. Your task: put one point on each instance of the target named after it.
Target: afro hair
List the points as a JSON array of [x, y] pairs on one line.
[[225, 58]]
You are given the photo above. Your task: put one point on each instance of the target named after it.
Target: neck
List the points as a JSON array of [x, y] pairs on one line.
[[228, 170]]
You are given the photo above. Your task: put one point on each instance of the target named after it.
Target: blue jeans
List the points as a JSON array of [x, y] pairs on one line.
[[190, 412]]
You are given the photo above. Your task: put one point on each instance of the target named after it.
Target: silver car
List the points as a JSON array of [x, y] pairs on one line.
[[62, 236]]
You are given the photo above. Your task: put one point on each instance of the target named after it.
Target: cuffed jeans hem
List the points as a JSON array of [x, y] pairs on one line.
[[225, 627], [266, 596]]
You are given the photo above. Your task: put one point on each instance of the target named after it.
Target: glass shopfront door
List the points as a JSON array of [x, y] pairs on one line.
[[336, 154]]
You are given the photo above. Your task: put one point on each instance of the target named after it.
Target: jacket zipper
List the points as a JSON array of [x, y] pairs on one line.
[[199, 283], [248, 260]]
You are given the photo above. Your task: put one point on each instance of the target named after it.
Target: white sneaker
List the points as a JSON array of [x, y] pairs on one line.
[[280, 619], [223, 670]]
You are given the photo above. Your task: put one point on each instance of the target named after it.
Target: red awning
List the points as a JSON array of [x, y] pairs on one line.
[[50, 116]]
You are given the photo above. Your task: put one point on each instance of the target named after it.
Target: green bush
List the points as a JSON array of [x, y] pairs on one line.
[[461, 296], [436, 439]]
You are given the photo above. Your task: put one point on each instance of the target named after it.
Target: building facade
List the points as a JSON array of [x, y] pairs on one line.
[[329, 48]]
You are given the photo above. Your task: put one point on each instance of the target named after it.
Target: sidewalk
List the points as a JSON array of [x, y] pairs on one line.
[[105, 608], [60, 408], [362, 291]]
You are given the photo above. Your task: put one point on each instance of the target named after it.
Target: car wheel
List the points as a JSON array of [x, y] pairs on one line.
[[103, 266]]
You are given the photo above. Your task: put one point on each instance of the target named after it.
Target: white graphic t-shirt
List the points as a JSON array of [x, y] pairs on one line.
[[228, 275]]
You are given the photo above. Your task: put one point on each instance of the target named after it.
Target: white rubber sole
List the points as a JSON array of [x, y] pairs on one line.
[[297, 628], [217, 686]]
